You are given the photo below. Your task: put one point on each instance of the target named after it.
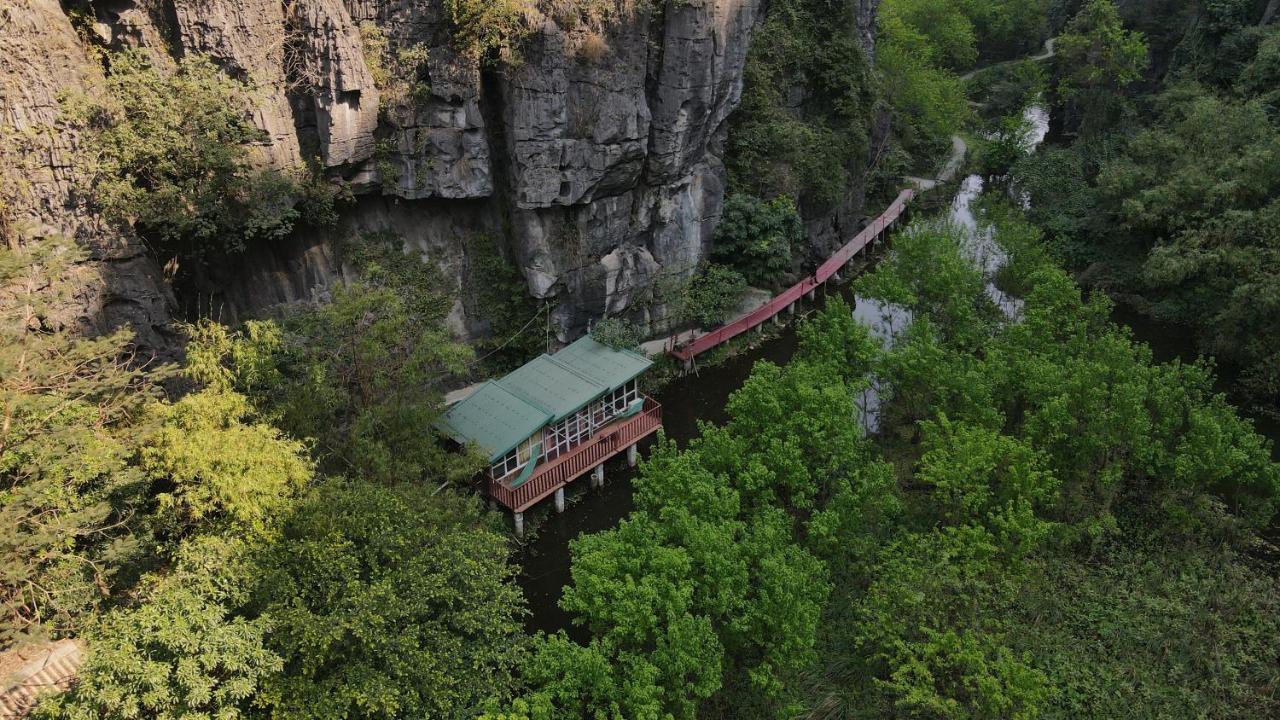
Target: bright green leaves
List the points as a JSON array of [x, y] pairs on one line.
[[932, 616], [223, 468], [980, 475], [1096, 52], [181, 652], [951, 294], [360, 375], [71, 420]]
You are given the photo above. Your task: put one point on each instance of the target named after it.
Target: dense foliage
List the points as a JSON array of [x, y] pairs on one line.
[[1048, 523], [191, 543], [1167, 194], [814, 153], [388, 603], [168, 152], [1008, 516], [710, 296], [756, 238], [74, 416]]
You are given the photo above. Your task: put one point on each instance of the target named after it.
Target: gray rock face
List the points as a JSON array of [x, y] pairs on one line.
[[434, 143], [117, 285], [598, 169], [341, 84], [602, 171], [247, 38]]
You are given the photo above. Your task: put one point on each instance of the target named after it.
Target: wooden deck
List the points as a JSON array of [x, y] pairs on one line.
[[552, 475]]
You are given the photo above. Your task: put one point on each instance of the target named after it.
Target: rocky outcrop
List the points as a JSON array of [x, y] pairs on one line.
[[601, 172], [117, 285], [597, 167], [316, 95]]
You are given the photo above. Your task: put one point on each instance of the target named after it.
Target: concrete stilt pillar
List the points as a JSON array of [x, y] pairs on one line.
[[760, 328], [560, 500], [597, 475], [810, 295], [777, 319], [519, 519], [791, 309], [631, 456]]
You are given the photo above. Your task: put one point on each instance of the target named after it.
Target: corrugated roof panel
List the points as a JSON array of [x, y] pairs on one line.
[[503, 413], [495, 419], [604, 365], [552, 386]]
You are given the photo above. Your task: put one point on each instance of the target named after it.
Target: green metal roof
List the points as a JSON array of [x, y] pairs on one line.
[[495, 419], [602, 364], [503, 413], [552, 386]]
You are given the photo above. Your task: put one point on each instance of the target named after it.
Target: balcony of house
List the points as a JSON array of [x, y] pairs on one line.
[[553, 420], [524, 486]]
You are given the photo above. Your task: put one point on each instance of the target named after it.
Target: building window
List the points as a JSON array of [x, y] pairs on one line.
[[579, 427], [617, 402], [512, 461]]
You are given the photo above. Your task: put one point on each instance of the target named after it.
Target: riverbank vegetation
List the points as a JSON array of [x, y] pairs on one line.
[[1162, 187], [1047, 524]]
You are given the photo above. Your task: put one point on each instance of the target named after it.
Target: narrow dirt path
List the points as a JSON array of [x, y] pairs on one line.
[[1050, 48], [959, 148]]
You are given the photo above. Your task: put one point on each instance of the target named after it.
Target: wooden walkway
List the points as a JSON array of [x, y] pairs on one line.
[[786, 300], [51, 669]]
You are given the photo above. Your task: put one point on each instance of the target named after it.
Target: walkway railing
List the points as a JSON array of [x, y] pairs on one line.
[[612, 439], [870, 234]]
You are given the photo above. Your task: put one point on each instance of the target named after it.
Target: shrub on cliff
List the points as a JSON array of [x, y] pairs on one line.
[[756, 236], [711, 296], [166, 150]]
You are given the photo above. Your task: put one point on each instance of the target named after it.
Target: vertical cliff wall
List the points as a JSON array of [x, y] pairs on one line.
[[42, 57], [597, 170]]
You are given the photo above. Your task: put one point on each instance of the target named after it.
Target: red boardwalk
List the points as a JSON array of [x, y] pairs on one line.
[[787, 298]]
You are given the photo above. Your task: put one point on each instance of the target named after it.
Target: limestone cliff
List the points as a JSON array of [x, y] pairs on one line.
[[118, 284], [595, 172]]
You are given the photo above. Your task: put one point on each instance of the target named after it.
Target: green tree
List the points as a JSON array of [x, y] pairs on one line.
[[808, 50], [1096, 59], [711, 296], [224, 470], [360, 375], [182, 651], [389, 602], [167, 150], [73, 417], [756, 238]]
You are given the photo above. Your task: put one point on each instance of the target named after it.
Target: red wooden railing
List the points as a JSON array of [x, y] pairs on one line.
[[782, 301], [555, 474]]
